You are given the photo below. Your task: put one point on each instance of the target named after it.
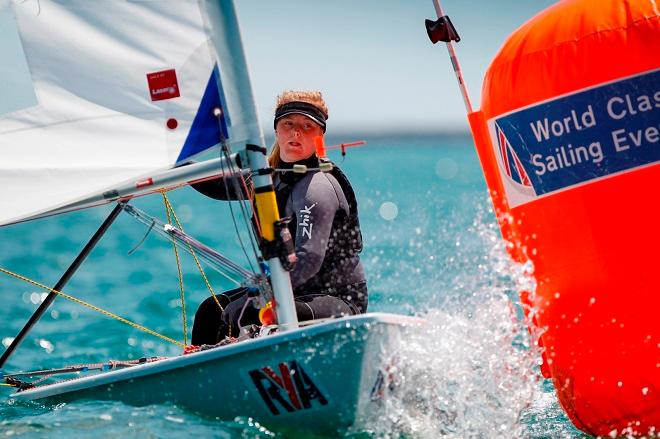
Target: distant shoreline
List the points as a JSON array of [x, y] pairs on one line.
[[349, 135]]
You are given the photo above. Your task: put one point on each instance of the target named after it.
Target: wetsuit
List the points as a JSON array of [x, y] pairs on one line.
[[328, 279]]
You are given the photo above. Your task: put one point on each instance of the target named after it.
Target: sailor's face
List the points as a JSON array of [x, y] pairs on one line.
[[295, 135]]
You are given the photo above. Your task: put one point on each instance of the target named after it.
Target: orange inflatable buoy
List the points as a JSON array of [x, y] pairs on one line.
[[569, 139]]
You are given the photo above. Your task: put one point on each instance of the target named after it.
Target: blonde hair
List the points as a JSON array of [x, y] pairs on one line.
[[311, 97]]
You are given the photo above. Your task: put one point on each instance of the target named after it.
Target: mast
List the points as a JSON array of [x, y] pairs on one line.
[[227, 41]]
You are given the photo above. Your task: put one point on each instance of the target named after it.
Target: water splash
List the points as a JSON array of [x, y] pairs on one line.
[[472, 371]]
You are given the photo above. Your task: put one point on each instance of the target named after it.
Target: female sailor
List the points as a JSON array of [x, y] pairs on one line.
[[328, 279]]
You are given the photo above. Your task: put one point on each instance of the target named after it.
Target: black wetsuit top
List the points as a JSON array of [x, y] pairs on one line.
[[325, 225]]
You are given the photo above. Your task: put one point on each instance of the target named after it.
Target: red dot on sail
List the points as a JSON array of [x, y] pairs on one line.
[[172, 123]]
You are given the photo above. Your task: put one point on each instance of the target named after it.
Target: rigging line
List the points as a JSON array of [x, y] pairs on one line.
[[254, 229], [237, 189], [14, 381], [41, 380], [168, 207], [192, 251], [241, 184], [131, 251], [194, 255], [92, 307], [86, 367], [224, 150], [254, 234], [223, 265], [257, 225]]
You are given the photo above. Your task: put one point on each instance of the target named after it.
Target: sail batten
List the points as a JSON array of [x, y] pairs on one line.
[[123, 90]]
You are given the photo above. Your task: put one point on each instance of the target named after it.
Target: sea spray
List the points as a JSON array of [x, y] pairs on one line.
[[472, 370]]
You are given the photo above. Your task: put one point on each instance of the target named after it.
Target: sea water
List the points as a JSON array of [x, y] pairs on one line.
[[432, 249]]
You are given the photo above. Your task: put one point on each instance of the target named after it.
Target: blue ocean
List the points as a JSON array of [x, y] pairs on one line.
[[432, 249]]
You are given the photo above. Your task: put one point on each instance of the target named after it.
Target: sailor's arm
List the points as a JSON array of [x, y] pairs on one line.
[[224, 188]]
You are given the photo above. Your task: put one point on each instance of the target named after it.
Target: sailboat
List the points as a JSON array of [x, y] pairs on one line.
[[118, 100]]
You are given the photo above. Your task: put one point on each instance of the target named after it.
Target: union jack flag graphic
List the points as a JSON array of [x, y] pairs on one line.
[[512, 165]]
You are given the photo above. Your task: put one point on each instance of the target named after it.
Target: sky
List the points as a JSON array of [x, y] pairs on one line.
[[372, 59]]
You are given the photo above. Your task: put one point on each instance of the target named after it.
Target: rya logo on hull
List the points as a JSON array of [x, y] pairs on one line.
[[290, 390]]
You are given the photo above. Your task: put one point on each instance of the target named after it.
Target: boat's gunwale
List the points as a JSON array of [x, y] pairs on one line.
[[171, 363]]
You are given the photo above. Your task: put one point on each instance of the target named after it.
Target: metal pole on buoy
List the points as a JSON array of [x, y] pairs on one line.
[[443, 30]]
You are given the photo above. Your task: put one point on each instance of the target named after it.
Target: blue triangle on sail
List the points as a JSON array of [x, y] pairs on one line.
[[207, 130]]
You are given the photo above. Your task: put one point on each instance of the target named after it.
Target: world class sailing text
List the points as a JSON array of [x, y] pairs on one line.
[[578, 137], [616, 108]]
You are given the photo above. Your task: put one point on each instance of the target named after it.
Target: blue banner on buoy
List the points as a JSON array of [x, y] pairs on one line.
[[578, 138]]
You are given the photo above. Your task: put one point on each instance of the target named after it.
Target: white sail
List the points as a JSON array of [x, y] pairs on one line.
[[115, 91]]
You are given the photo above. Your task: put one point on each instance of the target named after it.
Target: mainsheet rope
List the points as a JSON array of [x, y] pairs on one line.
[[169, 209], [170, 214], [93, 307]]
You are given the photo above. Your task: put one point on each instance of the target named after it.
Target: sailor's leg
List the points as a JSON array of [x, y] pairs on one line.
[[316, 306], [208, 320], [247, 313], [209, 327]]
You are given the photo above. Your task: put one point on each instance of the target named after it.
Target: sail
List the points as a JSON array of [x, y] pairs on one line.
[[107, 94]]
